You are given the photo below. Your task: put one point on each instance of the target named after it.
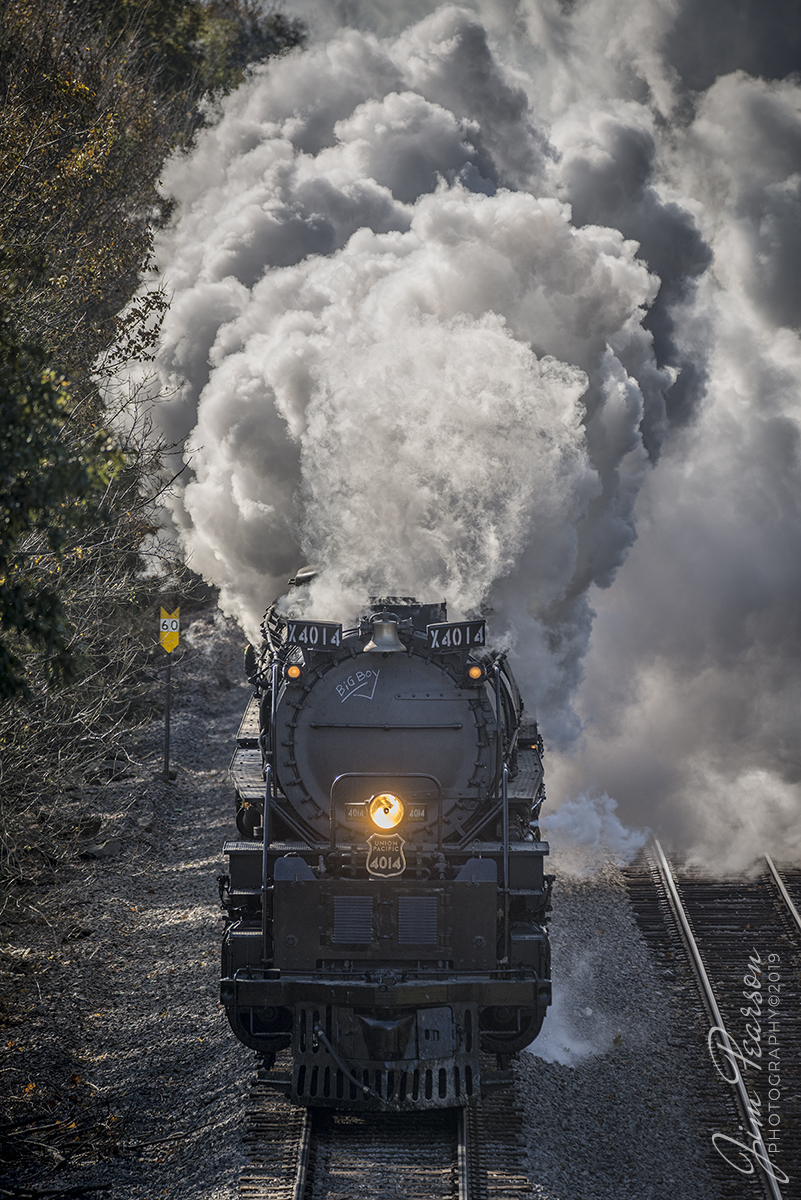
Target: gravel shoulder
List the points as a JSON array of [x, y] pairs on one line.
[[117, 1028]]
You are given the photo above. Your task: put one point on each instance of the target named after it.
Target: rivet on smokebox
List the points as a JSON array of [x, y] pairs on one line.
[[291, 940]]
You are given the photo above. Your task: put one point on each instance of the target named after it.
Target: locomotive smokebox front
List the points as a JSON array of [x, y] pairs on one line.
[[386, 712]]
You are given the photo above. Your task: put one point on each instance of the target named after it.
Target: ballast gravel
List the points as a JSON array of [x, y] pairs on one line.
[[610, 1088], [122, 1017]]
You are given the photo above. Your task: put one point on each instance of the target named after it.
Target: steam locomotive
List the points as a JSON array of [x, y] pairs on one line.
[[386, 895]]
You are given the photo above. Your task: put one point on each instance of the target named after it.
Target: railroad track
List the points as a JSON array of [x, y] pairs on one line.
[[739, 941], [325, 1154]]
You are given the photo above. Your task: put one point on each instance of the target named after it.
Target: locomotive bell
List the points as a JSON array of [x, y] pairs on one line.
[[385, 638]]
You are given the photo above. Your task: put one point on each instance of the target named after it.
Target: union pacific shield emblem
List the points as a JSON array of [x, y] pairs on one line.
[[385, 857]]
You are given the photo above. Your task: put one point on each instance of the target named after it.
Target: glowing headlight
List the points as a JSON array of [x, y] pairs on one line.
[[386, 810]]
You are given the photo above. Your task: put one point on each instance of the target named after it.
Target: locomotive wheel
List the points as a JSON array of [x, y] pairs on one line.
[[507, 1030]]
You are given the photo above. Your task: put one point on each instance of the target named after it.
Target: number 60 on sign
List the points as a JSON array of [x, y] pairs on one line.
[[168, 629]]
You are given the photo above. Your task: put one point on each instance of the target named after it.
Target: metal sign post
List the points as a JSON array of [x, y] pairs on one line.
[[169, 627]]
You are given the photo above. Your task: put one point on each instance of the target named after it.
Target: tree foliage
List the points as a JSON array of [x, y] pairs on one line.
[[47, 483], [95, 94], [196, 45]]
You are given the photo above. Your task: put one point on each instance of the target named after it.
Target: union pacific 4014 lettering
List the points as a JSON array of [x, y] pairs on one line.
[[386, 895]]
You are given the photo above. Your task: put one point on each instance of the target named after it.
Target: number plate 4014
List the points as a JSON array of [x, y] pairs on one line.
[[456, 635], [385, 857], [314, 635]]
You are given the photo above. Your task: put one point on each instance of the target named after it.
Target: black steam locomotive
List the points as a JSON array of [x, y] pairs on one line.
[[386, 895]]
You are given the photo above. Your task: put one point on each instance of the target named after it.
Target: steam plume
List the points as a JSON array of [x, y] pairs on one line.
[[468, 298]]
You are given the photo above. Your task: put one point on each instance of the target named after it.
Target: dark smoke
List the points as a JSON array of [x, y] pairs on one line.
[[709, 39]]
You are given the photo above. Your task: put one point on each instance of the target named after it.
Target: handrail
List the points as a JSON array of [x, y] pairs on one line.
[[391, 775], [498, 731], [505, 797], [273, 707], [265, 843]]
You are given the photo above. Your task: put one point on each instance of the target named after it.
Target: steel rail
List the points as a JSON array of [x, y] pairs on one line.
[[785, 895], [336, 1145], [744, 1104], [304, 1155], [463, 1156]]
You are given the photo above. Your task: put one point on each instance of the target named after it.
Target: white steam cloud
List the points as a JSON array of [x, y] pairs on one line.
[[465, 300], [587, 833]]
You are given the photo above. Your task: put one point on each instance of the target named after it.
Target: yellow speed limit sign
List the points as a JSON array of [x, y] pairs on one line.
[[169, 627]]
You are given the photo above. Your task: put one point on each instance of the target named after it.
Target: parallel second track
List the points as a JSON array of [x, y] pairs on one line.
[[749, 950]]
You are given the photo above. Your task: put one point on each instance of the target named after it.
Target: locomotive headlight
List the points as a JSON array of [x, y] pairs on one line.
[[386, 810], [476, 673]]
